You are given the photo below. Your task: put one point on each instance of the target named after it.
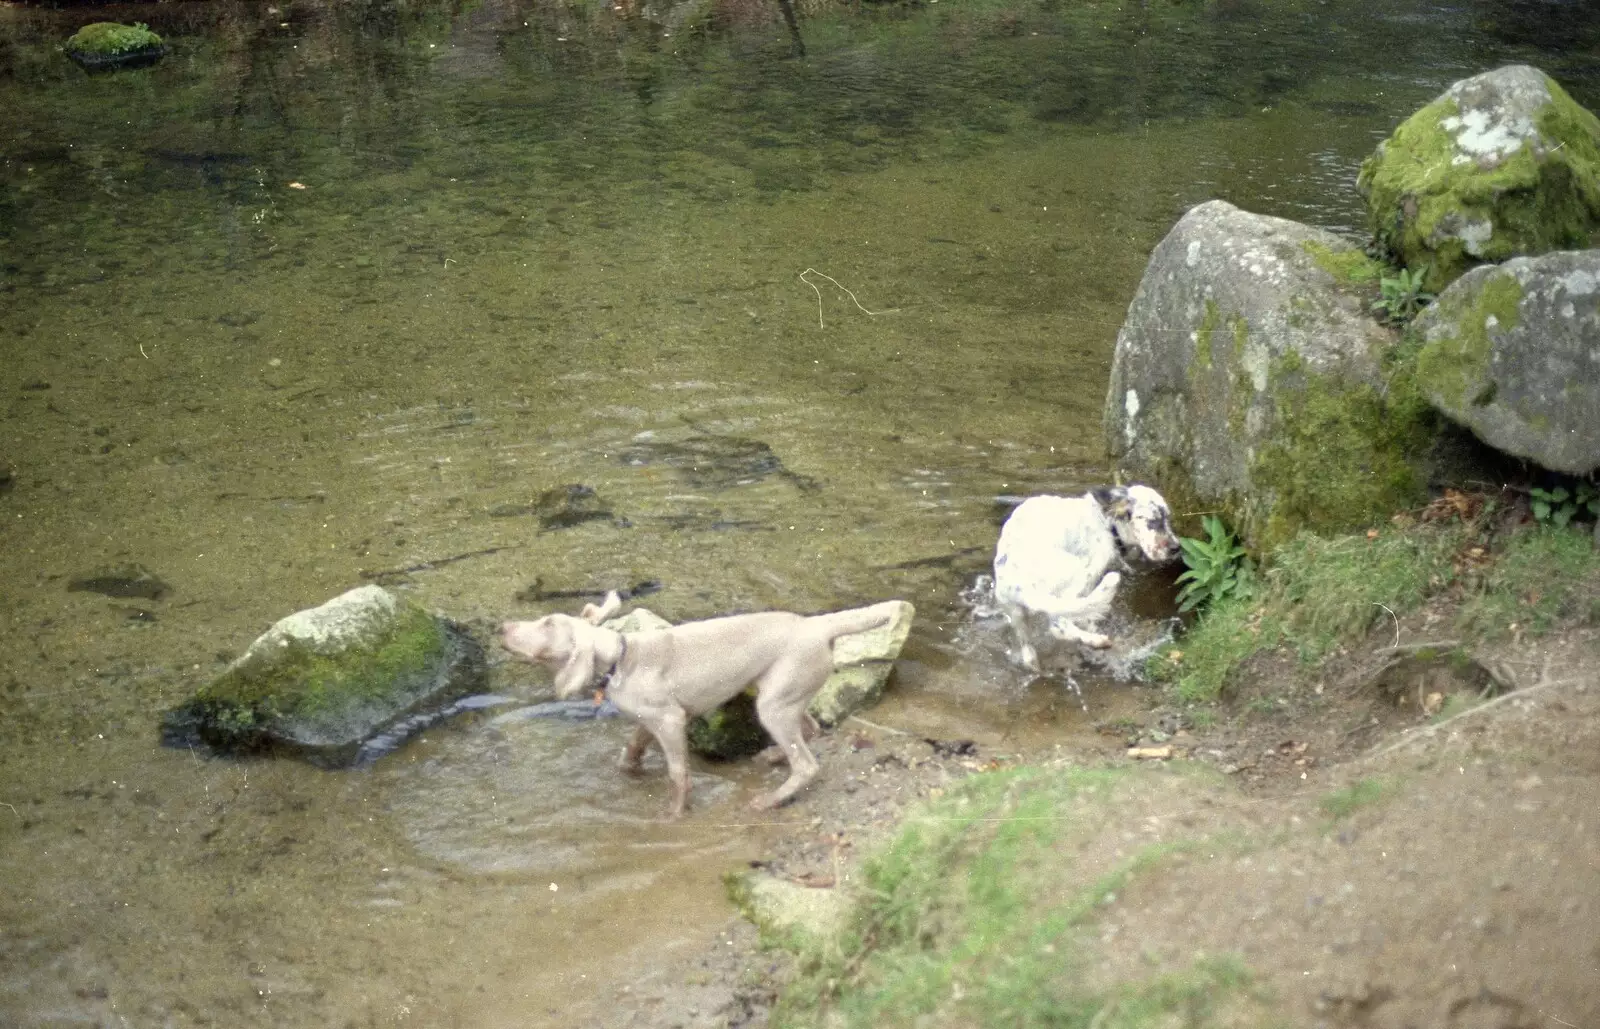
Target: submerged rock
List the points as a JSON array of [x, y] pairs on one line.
[[131, 580], [1249, 375], [714, 462], [566, 506], [1502, 164], [783, 910], [321, 682], [1513, 353]]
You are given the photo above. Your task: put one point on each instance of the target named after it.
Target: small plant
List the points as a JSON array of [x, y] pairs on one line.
[[1217, 567], [1359, 794], [1558, 506], [1402, 296]]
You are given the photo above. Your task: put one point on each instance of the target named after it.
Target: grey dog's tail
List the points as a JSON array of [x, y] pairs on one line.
[[859, 619]]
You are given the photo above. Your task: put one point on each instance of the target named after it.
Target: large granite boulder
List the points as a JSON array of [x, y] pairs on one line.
[[321, 682], [1513, 353], [1250, 376], [1501, 165]]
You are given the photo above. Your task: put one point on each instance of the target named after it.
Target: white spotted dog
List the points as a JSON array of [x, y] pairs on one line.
[[1055, 555]]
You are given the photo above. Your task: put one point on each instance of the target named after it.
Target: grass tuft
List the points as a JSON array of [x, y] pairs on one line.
[[1542, 576], [979, 914], [1318, 593], [1359, 794]]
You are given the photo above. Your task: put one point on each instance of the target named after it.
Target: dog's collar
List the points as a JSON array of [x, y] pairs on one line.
[[609, 679]]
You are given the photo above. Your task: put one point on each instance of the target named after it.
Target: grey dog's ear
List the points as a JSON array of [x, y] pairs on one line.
[[578, 673], [1113, 500]]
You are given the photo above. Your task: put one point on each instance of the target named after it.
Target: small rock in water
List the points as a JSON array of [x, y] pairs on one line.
[[714, 462]]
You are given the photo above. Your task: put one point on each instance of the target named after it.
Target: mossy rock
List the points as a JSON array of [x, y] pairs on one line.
[[730, 732], [1251, 378], [109, 44], [1503, 164], [321, 682], [1512, 352], [786, 913]]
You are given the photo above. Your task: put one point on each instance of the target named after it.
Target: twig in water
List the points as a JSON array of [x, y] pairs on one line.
[[392, 575], [830, 278], [880, 728]]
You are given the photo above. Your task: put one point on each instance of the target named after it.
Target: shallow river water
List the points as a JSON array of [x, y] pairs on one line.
[[335, 293]]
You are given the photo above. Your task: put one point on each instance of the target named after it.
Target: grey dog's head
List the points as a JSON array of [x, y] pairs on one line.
[[558, 642], [1141, 521]]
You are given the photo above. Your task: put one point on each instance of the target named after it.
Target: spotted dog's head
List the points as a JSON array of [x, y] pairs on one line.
[[1141, 521]]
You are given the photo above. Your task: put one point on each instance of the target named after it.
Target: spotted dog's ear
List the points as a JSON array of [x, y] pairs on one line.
[[1114, 501]]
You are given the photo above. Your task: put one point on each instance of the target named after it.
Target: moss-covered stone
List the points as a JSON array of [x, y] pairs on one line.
[[1503, 164], [106, 44], [1341, 455], [786, 913], [1510, 352], [1349, 267], [319, 689], [730, 732], [104, 38], [1455, 366]]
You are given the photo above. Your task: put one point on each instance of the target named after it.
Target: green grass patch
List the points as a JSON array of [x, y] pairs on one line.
[[975, 914], [1319, 591], [1542, 576], [1359, 794]]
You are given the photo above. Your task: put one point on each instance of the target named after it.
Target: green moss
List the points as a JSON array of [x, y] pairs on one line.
[[110, 39], [1351, 268], [730, 732], [1240, 392], [1359, 794], [1341, 455], [297, 682], [1456, 368], [1202, 342], [1420, 198]]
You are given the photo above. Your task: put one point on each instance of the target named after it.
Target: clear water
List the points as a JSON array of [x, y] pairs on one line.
[[337, 292]]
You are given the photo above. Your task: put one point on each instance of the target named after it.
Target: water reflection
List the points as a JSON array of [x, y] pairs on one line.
[[541, 796]]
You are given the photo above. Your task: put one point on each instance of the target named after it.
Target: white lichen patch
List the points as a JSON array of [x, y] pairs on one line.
[[1130, 406], [1474, 235], [1581, 282], [1191, 255], [1478, 136], [346, 619]]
